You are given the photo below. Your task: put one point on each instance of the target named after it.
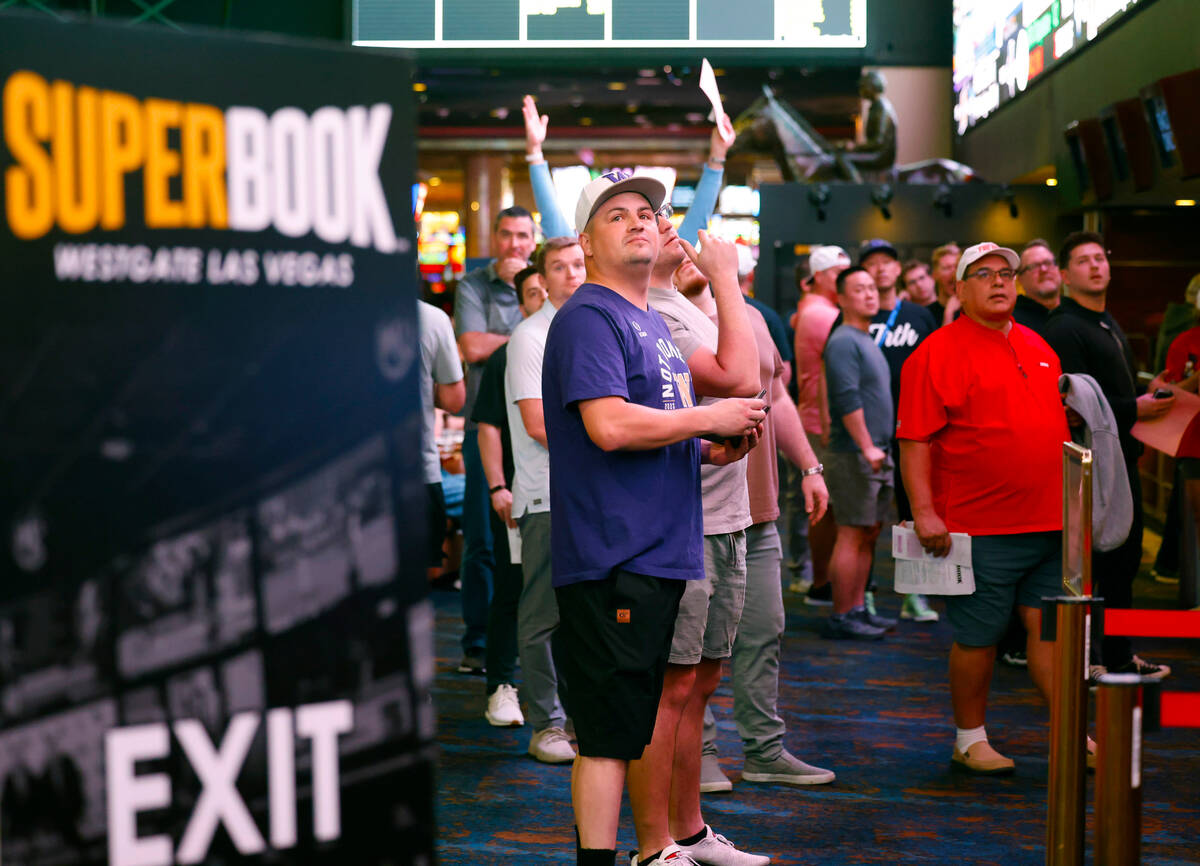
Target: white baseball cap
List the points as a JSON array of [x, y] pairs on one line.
[[973, 254], [823, 258], [613, 183], [747, 261]]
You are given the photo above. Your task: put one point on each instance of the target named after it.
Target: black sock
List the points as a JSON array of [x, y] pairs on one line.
[[596, 857], [649, 859], [692, 840]]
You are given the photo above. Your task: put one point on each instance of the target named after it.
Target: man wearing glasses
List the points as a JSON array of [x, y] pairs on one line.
[[981, 427], [1042, 284], [1089, 340]]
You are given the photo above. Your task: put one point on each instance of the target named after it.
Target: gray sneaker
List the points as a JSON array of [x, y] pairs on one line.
[[712, 779], [551, 746], [872, 618], [786, 769], [849, 626]]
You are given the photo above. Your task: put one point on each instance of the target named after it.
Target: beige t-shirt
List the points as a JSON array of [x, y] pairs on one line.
[[726, 500]]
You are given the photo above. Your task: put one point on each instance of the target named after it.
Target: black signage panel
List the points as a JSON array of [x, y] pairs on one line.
[[214, 643]]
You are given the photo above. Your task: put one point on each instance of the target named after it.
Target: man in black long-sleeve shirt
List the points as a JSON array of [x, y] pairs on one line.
[[1042, 282], [1088, 340]]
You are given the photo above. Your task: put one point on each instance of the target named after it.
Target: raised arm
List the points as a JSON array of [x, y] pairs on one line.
[[705, 200], [554, 224], [732, 371]]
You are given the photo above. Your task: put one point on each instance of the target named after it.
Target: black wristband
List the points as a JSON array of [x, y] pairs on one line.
[[498, 487]]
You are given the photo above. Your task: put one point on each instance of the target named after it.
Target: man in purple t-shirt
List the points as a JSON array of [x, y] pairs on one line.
[[621, 425]]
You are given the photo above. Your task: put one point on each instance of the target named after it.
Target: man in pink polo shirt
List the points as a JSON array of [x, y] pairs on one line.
[[815, 316]]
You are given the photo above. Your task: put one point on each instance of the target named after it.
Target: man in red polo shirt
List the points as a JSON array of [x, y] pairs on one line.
[[981, 428]]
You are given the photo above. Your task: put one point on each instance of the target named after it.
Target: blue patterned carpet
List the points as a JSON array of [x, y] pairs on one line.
[[878, 714]]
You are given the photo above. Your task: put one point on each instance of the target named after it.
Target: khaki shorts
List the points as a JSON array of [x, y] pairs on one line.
[[711, 608]]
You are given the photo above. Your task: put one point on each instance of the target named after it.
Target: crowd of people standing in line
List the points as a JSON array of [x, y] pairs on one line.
[[626, 407]]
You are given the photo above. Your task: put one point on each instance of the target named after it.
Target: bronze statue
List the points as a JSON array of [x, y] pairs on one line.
[[773, 126], [878, 152]]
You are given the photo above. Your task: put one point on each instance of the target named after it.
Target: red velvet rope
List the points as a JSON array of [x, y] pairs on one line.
[[1152, 623]]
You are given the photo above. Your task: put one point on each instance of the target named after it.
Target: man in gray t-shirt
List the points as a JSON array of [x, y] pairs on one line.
[[858, 468], [442, 387]]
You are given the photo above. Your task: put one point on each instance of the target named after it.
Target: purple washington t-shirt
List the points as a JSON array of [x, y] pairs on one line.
[[636, 510]]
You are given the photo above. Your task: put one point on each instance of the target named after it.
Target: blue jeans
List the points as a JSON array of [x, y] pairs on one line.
[[477, 562]]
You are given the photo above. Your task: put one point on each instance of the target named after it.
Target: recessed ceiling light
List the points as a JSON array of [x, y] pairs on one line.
[[616, 85], [1051, 181], [420, 87]]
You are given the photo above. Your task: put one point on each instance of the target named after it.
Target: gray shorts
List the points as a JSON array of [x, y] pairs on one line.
[[859, 495], [822, 451], [711, 608]]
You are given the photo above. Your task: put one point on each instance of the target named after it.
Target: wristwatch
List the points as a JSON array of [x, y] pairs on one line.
[[498, 487], [819, 469]]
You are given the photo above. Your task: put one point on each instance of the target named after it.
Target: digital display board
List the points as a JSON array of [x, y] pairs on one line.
[[525, 24], [1002, 46]]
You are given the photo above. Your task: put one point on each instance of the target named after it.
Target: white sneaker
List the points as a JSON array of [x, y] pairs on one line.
[[503, 708], [672, 855], [551, 746], [715, 850]]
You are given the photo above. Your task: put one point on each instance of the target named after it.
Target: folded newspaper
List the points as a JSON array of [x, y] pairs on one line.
[[919, 571]]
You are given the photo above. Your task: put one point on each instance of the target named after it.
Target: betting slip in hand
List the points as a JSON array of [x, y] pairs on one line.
[[920, 571]]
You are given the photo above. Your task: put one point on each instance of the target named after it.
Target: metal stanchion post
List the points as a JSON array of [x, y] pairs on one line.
[[1068, 730], [1067, 621], [1119, 710]]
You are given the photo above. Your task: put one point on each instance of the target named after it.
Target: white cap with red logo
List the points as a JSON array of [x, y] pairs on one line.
[[973, 254]]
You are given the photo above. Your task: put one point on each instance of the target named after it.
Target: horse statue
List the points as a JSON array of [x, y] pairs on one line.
[[773, 126]]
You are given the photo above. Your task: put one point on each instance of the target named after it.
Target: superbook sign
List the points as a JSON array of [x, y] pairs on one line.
[[214, 641]]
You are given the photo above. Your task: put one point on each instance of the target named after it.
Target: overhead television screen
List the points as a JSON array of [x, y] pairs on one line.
[[525, 24], [1003, 46]]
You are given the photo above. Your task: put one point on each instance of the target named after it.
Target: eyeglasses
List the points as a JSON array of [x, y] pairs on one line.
[[666, 211], [1044, 265], [1006, 274]]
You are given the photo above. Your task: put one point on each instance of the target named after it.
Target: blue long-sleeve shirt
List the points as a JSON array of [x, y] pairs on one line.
[[555, 224]]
